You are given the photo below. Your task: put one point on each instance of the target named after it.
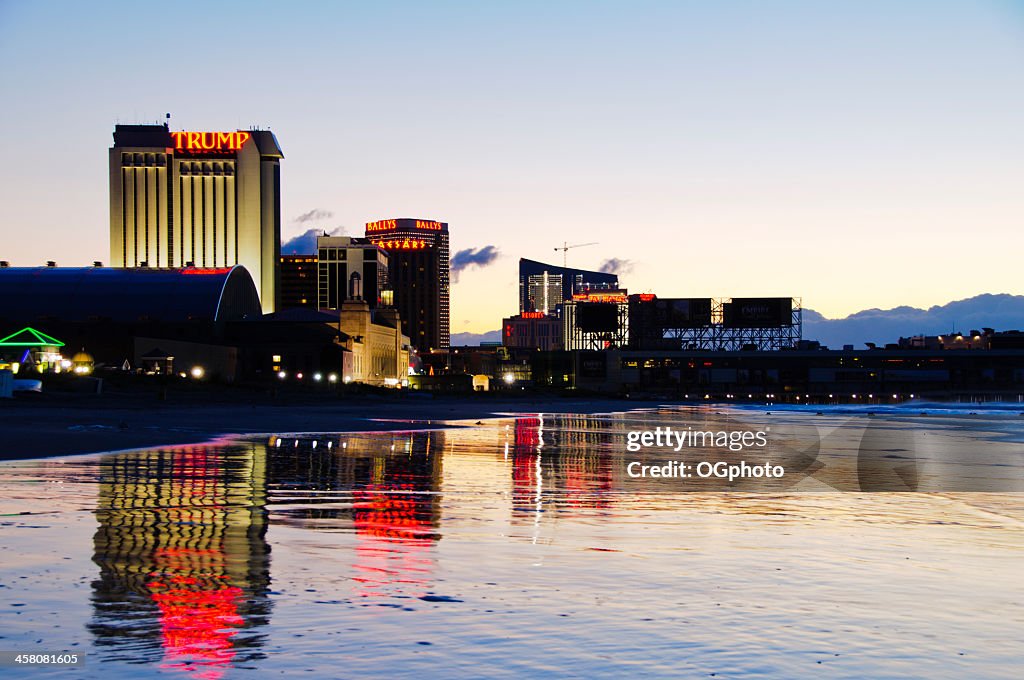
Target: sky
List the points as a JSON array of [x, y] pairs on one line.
[[853, 154]]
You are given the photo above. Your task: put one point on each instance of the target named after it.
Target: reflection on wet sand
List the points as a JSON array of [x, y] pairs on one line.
[[183, 558], [382, 487], [540, 522], [575, 464]]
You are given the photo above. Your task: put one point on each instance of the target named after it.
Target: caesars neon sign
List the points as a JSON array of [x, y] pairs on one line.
[[209, 141], [399, 244]]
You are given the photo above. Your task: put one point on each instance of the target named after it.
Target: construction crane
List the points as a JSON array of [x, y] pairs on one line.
[[565, 249]]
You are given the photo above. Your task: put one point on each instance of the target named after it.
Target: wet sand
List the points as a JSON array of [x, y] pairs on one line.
[[56, 425], [518, 546]]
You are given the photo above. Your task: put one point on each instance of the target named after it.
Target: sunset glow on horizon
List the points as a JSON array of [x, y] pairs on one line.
[[854, 155]]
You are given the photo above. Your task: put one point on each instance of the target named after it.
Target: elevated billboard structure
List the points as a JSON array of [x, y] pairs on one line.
[[596, 320], [714, 324]]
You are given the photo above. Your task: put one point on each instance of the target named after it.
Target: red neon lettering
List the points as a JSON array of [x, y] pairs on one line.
[[599, 297], [240, 139], [193, 140]]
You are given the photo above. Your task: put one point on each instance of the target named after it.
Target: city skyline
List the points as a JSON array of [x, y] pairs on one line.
[[856, 156]]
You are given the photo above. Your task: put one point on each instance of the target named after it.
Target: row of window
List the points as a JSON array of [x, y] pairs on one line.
[[144, 160], [206, 168]]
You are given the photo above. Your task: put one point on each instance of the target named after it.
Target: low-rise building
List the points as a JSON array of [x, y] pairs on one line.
[[532, 330], [298, 281], [380, 351]]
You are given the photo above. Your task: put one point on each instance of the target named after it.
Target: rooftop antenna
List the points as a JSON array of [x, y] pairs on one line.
[[565, 248], [167, 121]]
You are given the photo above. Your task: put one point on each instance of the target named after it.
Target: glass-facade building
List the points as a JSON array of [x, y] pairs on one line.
[[418, 265], [545, 287]]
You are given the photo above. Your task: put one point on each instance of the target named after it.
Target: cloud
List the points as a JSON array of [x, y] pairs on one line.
[[472, 258], [616, 266], [305, 243], [316, 214]]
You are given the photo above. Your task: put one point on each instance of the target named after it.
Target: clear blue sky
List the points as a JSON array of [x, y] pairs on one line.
[[857, 154]]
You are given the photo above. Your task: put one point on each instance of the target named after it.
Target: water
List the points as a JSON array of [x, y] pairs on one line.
[[516, 547]]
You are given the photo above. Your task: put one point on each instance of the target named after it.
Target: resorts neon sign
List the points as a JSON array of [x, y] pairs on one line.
[[210, 141]]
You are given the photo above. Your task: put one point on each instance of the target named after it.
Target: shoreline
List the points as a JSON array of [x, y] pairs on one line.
[[64, 427], [58, 424]]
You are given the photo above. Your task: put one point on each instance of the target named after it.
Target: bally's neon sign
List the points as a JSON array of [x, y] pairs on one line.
[[209, 141], [391, 225], [382, 225]]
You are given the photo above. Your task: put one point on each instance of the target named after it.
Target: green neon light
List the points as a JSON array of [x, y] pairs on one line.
[[38, 339]]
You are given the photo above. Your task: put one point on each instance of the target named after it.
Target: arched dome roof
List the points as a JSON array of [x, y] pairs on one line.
[[75, 294]]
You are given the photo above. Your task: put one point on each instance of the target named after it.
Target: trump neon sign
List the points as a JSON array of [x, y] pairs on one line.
[[209, 141]]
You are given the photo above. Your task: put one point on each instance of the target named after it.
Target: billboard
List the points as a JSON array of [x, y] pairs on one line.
[[757, 313], [593, 364], [597, 317], [651, 313], [686, 312]]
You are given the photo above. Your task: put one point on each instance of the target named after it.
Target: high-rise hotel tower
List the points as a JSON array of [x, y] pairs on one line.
[[202, 199], [419, 276]]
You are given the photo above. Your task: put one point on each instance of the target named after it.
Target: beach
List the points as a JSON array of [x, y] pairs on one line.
[[519, 545], [65, 424]]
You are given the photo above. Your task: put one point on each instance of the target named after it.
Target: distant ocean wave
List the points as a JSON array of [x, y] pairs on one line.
[[989, 408]]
